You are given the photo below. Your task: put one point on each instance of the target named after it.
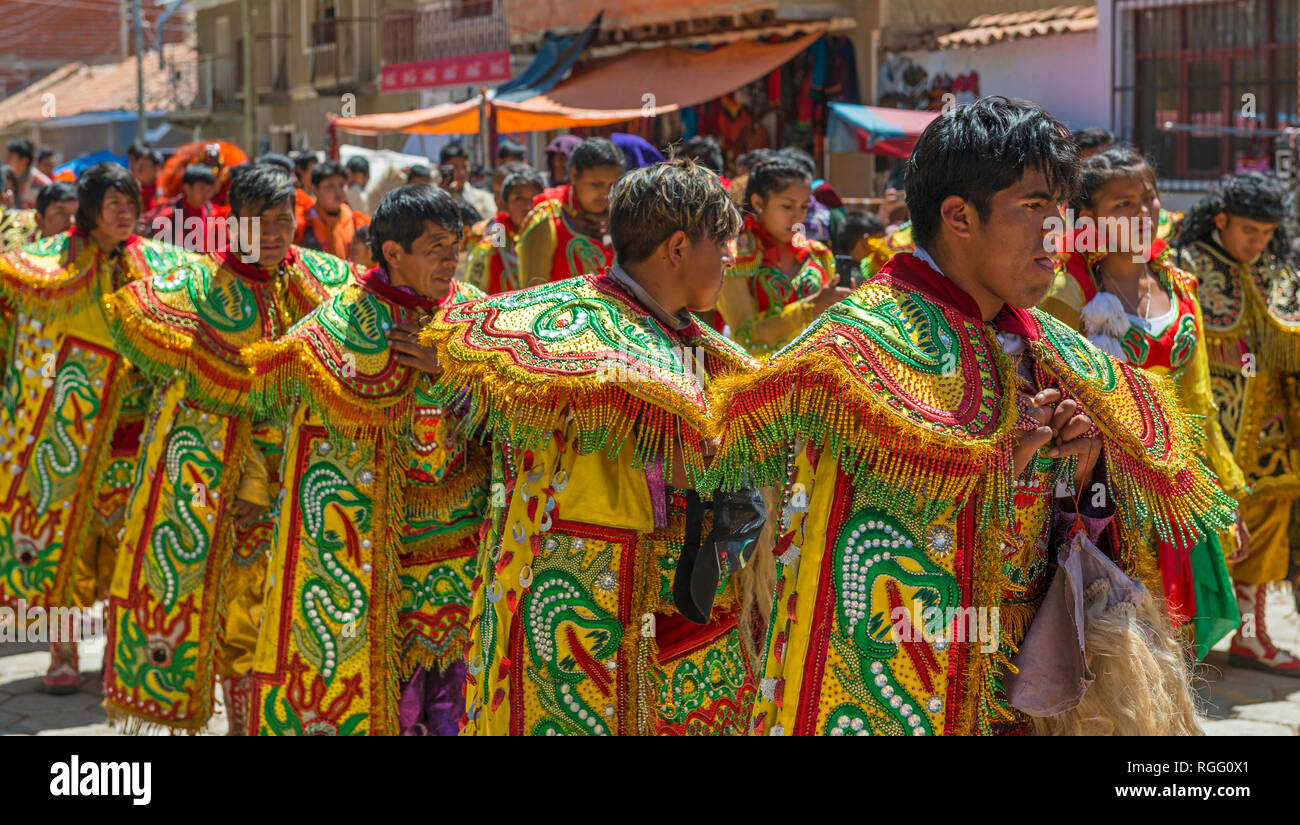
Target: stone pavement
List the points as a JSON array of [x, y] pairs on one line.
[[1238, 702]]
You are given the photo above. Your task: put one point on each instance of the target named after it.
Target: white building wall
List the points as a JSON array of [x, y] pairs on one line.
[[1062, 73]]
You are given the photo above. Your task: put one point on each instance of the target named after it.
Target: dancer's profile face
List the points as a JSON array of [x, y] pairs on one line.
[[704, 262], [1006, 247]]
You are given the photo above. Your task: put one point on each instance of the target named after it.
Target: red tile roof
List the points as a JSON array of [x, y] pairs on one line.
[[988, 29], [77, 88], [992, 28]]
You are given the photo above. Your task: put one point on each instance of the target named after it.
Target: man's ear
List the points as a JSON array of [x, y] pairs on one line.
[[393, 251], [1221, 221], [675, 247], [955, 213]]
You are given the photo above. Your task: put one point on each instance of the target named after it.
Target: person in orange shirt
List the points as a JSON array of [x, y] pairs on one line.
[[330, 224]]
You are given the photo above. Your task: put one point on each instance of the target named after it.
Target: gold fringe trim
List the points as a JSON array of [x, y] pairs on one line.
[[162, 352], [816, 396], [284, 371], [524, 407]]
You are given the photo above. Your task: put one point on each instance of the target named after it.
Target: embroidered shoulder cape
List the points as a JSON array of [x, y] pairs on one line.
[[192, 321], [524, 358], [869, 376]]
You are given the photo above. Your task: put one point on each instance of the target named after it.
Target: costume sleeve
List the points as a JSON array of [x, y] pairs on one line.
[[740, 311], [265, 448], [1200, 401], [536, 249]]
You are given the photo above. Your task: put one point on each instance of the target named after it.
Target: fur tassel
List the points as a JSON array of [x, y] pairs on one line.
[[1143, 685], [1104, 324]]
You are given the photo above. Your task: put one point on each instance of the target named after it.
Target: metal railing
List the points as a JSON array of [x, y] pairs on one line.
[[447, 29]]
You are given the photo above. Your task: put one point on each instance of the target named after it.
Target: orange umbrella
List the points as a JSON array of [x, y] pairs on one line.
[[218, 154]]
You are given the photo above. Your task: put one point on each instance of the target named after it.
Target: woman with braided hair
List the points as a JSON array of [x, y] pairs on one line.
[[1234, 242]]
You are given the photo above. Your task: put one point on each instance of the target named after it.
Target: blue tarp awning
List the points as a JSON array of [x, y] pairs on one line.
[[875, 129], [553, 61]]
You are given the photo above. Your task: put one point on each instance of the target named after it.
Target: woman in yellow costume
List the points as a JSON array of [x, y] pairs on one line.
[[594, 391], [202, 484], [781, 279], [1120, 290], [370, 537], [565, 234], [66, 439], [1234, 242], [920, 431]]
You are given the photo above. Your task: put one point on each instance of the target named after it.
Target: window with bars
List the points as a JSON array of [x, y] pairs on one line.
[[1219, 65], [469, 9]]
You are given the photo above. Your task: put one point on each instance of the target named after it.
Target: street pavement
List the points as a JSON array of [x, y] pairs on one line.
[[1237, 701]]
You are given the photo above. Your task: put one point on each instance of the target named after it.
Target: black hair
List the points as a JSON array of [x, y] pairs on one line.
[[22, 147], [403, 212], [10, 179], [595, 152], [1104, 167], [796, 155], [753, 158], [198, 174], [42, 154], [468, 214], [773, 176], [505, 170], [528, 176], [325, 169], [420, 171], [510, 149], [853, 228], [451, 150], [704, 150], [303, 160], [978, 149], [258, 188], [1250, 195], [1092, 138], [139, 149], [358, 164], [95, 183], [56, 192], [277, 161], [361, 234]]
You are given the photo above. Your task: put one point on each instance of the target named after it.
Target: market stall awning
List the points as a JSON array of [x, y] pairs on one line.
[[648, 82], [875, 129], [447, 119]]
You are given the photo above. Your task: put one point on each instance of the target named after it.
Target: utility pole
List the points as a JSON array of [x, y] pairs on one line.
[[250, 112], [142, 123]]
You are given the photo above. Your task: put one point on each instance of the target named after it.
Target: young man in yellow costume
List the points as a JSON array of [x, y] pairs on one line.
[[180, 606], [921, 430], [594, 391], [1234, 242], [368, 529], [66, 444]]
